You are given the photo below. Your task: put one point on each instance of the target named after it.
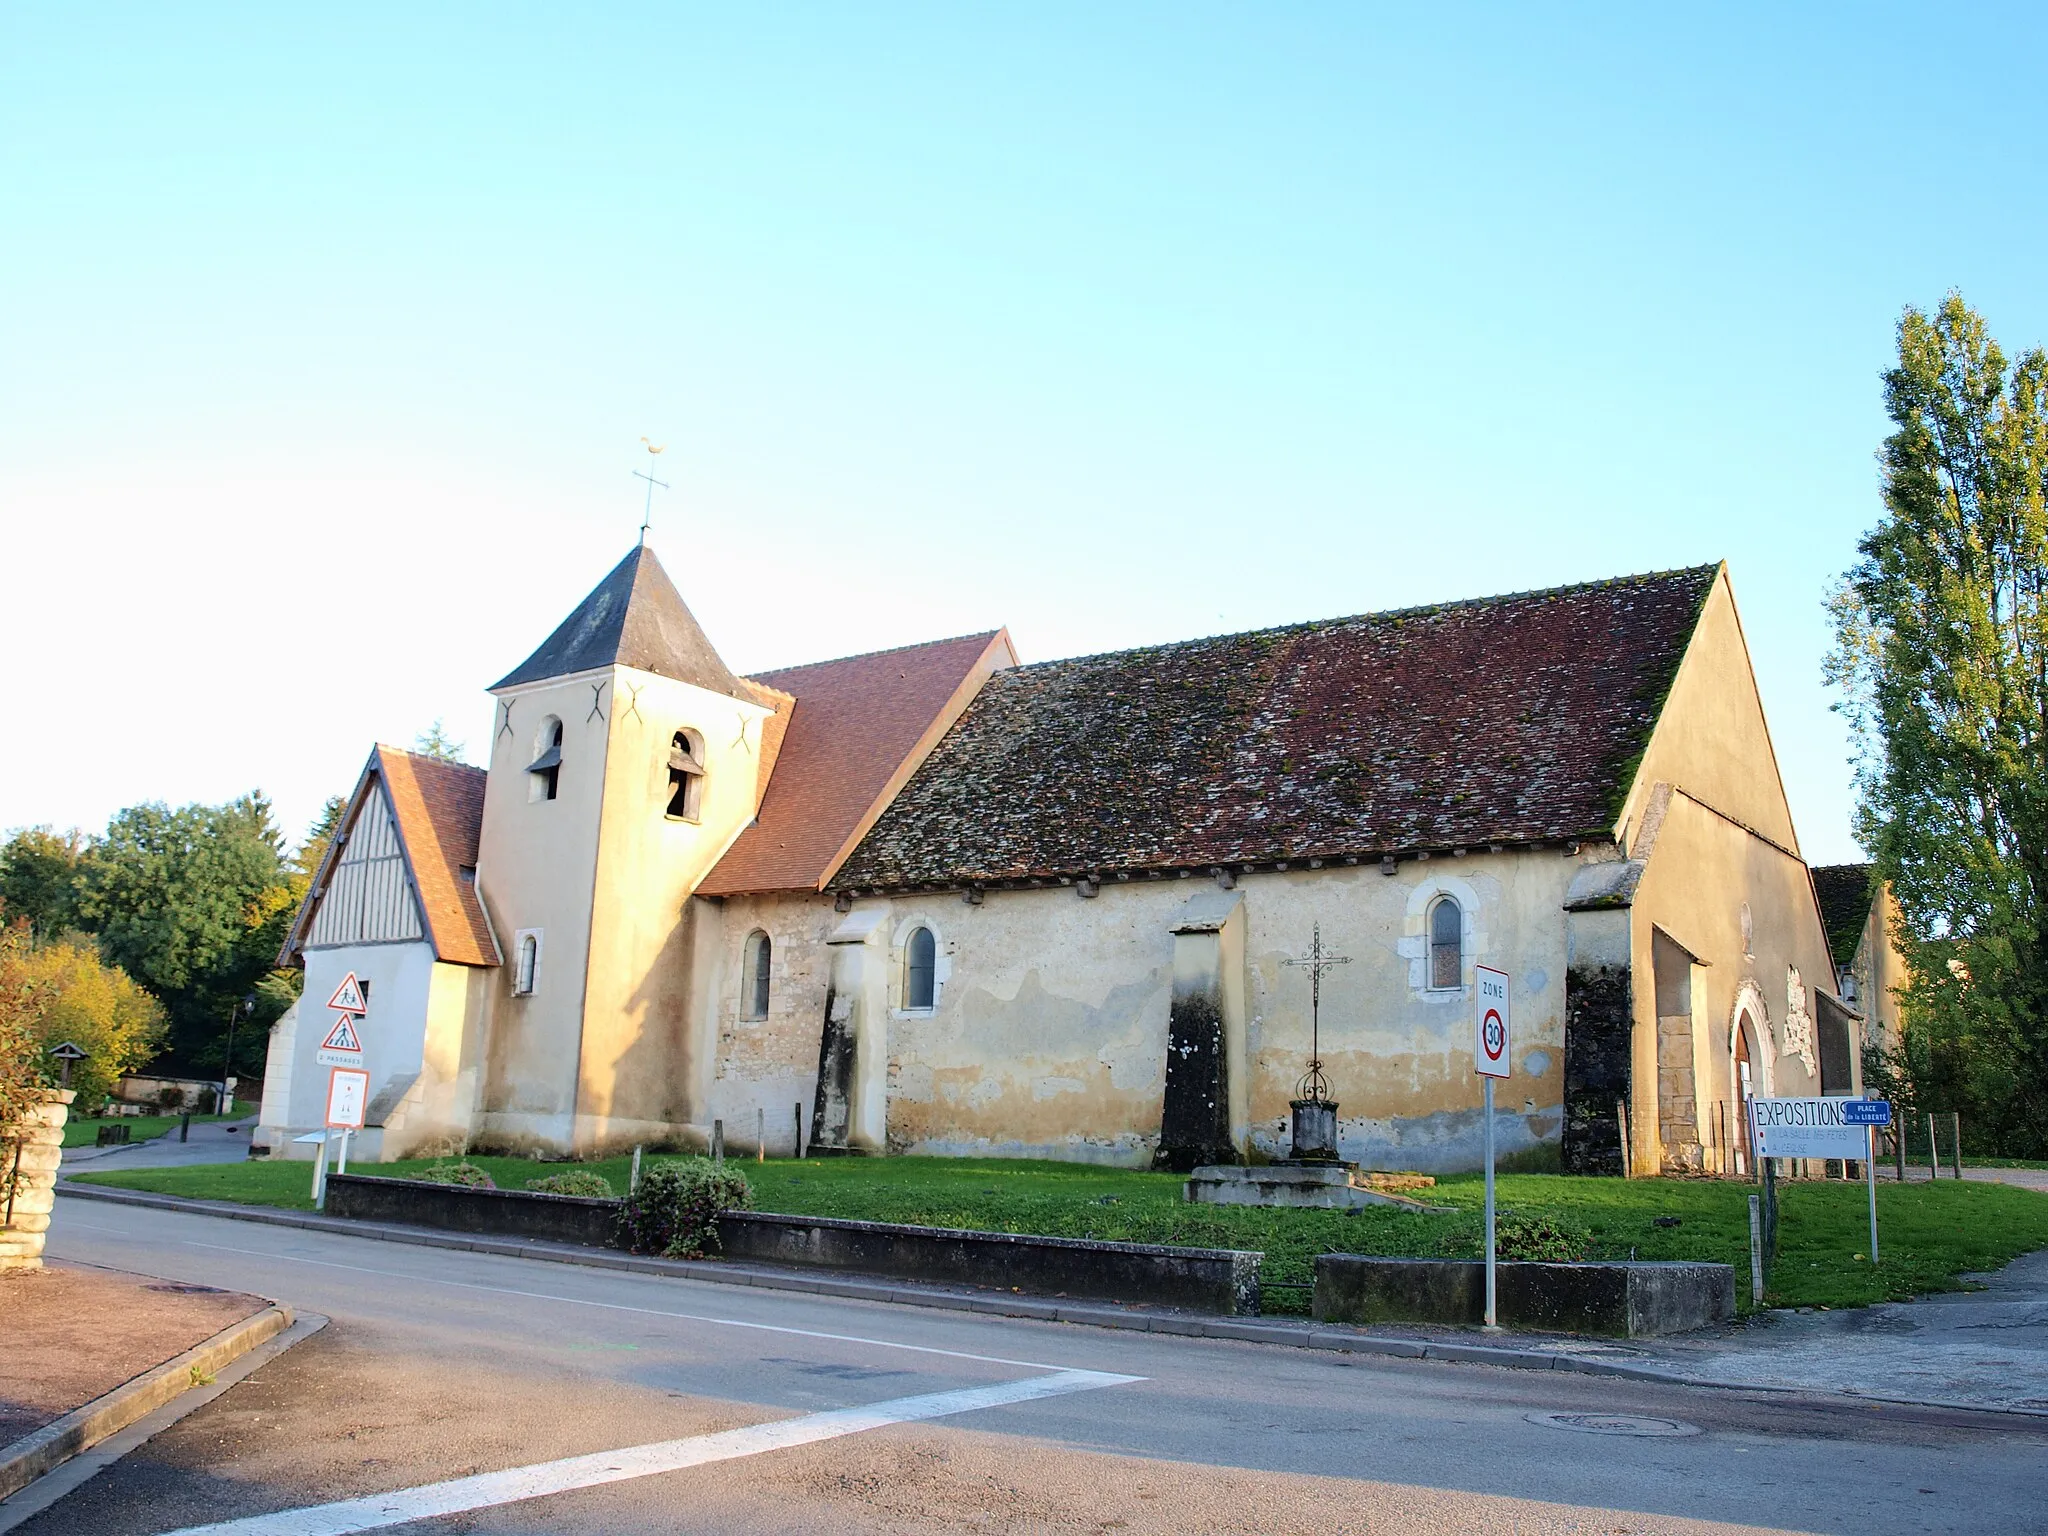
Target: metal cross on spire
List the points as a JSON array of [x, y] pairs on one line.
[[647, 514], [1315, 962]]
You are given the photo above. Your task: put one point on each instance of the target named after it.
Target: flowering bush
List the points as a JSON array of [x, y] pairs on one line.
[[466, 1174], [675, 1210], [578, 1181]]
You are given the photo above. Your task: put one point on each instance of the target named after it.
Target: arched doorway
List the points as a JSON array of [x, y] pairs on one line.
[[1745, 1084]]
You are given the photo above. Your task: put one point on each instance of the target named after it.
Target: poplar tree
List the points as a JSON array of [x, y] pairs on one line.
[[1942, 653]]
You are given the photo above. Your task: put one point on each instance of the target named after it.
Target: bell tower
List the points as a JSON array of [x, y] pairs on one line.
[[625, 758]]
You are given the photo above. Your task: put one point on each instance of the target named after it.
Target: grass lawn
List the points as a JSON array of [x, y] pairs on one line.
[[1930, 1233], [82, 1133]]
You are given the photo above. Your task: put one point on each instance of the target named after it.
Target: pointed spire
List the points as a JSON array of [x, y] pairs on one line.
[[633, 618]]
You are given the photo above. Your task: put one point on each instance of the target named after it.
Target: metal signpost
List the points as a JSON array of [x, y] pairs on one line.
[[1490, 1060], [1844, 1129]]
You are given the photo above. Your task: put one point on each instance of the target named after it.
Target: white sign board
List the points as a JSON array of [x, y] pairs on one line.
[[348, 1093], [1490, 1041], [343, 1046], [1808, 1128]]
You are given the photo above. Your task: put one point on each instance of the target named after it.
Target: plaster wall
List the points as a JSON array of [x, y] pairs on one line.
[[1700, 876], [1712, 740], [1049, 1033], [638, 1080], [394, 1032], [536, 870]]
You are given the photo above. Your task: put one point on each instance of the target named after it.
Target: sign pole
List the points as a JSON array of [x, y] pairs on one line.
[[1492, 1319], [1870, 1171]]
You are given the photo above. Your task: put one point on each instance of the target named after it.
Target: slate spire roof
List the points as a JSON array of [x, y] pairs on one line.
[[1508, 719], [633, 618], [1845, 892]]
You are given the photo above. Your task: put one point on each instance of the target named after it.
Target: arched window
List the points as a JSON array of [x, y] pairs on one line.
[[920, 969], [685, 776], [544, 773], [526, 965], [1446, 944], [756, 963]]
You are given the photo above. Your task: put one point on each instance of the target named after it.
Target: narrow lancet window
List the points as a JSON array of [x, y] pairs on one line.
[[526, 970], [920, 969], [1446, 945], [758, 963]]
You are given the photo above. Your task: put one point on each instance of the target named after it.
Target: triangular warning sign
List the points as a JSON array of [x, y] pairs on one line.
[[343, 1036], [348, 997]]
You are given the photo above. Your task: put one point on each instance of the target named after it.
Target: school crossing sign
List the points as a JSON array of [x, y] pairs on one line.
[[343, 1045]]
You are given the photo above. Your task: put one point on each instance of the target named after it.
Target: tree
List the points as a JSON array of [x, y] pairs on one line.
[[1942, 652], [95, 1006], [436, 742], [39, 879], [194, 904], [21, 1055]]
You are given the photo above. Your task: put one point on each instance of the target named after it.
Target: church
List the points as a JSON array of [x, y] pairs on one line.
[[935, 900]]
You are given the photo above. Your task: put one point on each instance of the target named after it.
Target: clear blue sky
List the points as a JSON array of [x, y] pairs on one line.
[[329, 336]]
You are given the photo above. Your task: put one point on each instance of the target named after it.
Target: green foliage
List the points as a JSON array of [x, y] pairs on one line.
[[577, 1181], [1942, 653], [674, 1212], [1540, 1238], [39, 879], [194, 904], [464, 1173], [94, 1006], [436, 742], [21, 1051]]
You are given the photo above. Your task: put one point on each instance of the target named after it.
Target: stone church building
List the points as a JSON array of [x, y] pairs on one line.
[[932, 900]]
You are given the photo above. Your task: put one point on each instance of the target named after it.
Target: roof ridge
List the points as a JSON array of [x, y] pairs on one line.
[[1307, 626], [887, 650], [429, 757]]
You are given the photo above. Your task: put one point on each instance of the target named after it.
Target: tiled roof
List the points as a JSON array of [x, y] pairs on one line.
[[633, 618], [1845, 892], [440, 810], [860, 725], [1507, 719]]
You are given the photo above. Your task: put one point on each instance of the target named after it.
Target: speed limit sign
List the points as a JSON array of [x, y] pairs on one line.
[[1490, 1040]]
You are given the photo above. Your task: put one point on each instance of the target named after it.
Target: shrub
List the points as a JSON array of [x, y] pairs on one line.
[[1540, 1239], [675, 1210], [577, 1182], [170, 1099], [466, 1174]]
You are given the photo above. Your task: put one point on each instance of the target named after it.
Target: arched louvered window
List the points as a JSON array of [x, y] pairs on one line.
[[920, 970], [544, 773], [757, 962], [685, 776], [1446, 944]]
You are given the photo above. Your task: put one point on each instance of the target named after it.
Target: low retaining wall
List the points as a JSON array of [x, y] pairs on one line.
[[486, 1212], [1622, 1300], [1219, 1280], [1215, 1280]]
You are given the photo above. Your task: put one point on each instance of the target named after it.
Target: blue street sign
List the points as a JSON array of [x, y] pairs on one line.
[[1866, 1112]]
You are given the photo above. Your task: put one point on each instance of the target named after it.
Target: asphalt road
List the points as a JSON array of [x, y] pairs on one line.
[[461, 1389]]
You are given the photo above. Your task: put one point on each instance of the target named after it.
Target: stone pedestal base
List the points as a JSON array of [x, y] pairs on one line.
[[1315, 1131], [1317, 1186], [32, 1165]]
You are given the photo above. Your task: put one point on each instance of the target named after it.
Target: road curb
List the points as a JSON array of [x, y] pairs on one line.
[[1296, 1335], [39, 1452]]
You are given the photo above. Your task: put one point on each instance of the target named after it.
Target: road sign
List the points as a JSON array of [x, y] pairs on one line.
[[348, 997], [343, 1046], [348, 1092], [1490, 1044], [1866, 1112], [1810, 1128]]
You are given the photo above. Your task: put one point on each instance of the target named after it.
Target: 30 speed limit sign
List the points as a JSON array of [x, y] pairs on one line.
[[1490, 1042]]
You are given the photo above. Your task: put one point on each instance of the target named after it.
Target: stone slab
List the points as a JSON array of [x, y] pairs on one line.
[[1635, 1300], [1295, 1186]]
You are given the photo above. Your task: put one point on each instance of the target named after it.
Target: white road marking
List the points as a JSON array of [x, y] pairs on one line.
[[488, 1489], [613, 1306]]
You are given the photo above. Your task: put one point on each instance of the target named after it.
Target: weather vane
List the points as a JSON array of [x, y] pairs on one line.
[[1316, 1086], [647, 516]]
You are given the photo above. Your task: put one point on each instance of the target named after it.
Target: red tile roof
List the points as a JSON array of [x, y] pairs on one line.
[[1506, 719], [440, 810], [859, 729]]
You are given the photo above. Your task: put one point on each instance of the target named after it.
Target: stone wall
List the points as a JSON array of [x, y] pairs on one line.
[[32, 1150]]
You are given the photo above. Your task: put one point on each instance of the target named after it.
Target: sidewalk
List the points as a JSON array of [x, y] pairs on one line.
[[1925, 1352]]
